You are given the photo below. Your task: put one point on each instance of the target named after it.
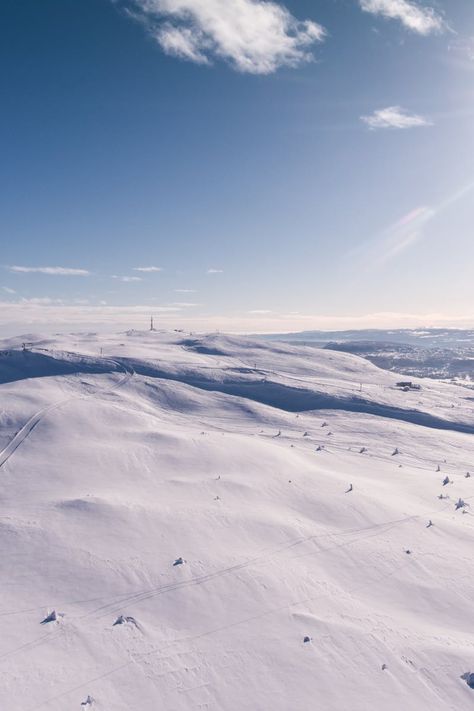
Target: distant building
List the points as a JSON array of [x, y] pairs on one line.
[[408, 385]]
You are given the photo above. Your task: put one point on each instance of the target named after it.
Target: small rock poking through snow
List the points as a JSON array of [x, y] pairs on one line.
[[151, 481], [52, 617], [123, 620], [469, 679]]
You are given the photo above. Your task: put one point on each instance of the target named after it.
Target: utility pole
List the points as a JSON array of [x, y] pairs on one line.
[[152, 328]]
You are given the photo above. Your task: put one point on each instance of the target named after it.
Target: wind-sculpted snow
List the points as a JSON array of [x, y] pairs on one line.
[[292, 399], [207, 522], [21, 364]]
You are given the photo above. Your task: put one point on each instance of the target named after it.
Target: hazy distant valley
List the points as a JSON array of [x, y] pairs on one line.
[[446, 354]]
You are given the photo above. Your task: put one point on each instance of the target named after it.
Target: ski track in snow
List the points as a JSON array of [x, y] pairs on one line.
[[23, 433], [285, 549]]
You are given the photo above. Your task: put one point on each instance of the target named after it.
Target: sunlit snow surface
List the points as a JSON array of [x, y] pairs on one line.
[[174, 511]]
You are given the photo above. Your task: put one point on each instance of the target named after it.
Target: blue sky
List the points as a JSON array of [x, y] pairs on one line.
[[237, 165]]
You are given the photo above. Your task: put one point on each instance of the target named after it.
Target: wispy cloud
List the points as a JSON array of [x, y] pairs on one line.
[[214, 271], [8, 290], [127, 279], [57, 271], [254, 36], [53, 316], [42, 301], [185, 291], [395, 117], [414, 16], [404, 233], [147, 269], [461, 51], [260, 312], [394, 240]]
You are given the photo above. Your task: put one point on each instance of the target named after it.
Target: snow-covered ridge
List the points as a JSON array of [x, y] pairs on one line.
[[183, 511]]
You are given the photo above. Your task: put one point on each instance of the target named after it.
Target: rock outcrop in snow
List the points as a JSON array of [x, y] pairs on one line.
[[189, 483]]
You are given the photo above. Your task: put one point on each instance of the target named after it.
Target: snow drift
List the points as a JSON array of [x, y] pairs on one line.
[[206, 522]]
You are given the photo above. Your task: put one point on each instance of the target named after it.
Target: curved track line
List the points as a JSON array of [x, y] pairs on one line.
[[139, 656], [27, 428]]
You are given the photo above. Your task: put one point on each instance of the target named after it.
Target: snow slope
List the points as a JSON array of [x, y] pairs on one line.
[[122, 454]]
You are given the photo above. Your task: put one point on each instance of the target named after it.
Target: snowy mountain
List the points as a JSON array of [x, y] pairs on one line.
[[209, 522]]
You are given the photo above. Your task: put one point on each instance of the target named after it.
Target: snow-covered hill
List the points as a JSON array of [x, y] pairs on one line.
[[187, 510]]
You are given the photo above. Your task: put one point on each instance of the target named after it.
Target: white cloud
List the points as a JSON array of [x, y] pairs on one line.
[[8, 290], [417, 18], [184, 304], [42, 301], [61, 271], [260, 312], [214, 271], [50, 317], [252, 35], [185, 291], [394, 117], [125, 278], [147, 269], [182, 42]]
